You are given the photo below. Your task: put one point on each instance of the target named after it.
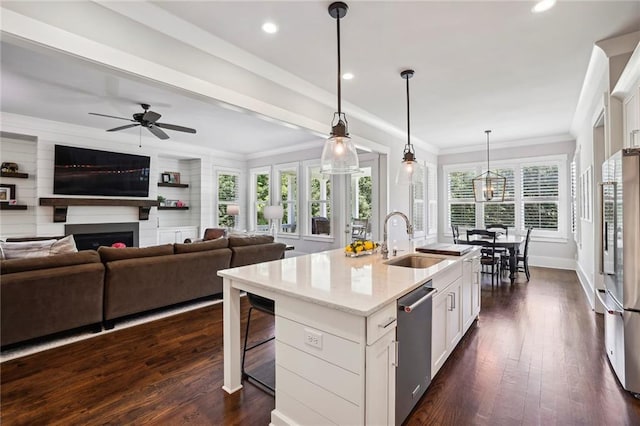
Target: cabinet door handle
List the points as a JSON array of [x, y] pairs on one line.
[[451, 303], [394, 362], [453, 299]]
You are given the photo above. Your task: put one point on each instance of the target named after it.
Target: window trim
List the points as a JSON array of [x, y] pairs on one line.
[[218, 202], [253, 203], [306, 215]]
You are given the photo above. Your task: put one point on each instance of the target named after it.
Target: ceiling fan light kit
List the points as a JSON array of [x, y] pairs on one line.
[[410, 171], [149, 120], [489, 186], [339, 154]]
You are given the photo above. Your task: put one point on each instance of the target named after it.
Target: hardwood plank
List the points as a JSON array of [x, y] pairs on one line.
[[534, 357]]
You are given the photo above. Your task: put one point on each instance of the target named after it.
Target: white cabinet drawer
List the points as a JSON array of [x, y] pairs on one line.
[[380, 322], [336, 350]]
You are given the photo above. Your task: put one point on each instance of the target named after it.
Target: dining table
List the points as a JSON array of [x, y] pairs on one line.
[[510, 242]]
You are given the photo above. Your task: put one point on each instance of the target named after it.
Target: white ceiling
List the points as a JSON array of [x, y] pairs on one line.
[[478, 65]]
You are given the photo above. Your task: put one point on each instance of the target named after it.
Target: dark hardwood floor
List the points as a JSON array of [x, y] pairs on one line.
[[535, 357]]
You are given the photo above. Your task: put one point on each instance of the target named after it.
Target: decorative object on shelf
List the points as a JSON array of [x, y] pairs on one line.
[[165, 178], [410, 171], [360, 248], [339, 155], [273, 214], [7, 193], [162, 201], [180, 203], [9, 167], [489, 186], [174, 177]]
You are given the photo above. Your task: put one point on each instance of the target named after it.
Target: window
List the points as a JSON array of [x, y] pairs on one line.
[[228, 188], [536, 196], [286, 192], [260, 179], [540, 187], [462, 206], [504, 212], [418, 219], [319, 201], [432, 197]]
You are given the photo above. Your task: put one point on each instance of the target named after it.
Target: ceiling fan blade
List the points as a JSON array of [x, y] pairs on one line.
[[115, 129], [111, 116], [151, 116], [174, 127], [159, 133]]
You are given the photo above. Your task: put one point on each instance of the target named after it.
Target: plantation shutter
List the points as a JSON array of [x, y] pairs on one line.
[[432, 197], [462, 207], [540, 187], [503, 212]]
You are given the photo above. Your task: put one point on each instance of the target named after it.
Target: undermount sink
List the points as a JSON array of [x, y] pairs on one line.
[[415, 261]]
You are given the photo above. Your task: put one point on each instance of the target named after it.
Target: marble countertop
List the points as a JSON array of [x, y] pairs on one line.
[[357, 285]]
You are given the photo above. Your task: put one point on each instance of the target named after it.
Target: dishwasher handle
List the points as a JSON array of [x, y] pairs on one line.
[[411, 307]]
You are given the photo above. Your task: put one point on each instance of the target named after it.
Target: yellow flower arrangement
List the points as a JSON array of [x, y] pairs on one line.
[[360, 247]]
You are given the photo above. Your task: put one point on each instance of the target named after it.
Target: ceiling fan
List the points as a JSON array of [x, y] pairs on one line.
[[147, 119]]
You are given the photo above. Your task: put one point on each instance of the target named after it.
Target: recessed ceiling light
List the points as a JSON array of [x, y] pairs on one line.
[[269, 28], [347, 76], [543, 5]]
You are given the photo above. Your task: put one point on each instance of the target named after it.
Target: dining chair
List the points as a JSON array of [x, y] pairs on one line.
[[456, 233], [501, 229], [489, 256], [359, 229], [266, 306], [524, 259]]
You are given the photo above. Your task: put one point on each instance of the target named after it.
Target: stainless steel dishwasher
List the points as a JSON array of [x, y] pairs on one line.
[[413, 372]]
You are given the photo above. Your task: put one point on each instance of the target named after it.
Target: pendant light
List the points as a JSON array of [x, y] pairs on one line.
[[410, 171], [339, 155], [489, 186]]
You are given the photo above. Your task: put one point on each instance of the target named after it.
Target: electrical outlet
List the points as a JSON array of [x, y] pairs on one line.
[[313, 338]]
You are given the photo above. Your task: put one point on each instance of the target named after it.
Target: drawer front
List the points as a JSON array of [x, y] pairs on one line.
[[338, 381], [446, 277], [336, 350], [380, 322], [313, 401]]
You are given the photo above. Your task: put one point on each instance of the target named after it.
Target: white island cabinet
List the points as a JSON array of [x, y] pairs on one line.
[[335, 320]]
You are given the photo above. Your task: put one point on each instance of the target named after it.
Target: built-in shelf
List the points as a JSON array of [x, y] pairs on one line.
[[173, 208], [60, 205], [5, 206], [15, 175], [173, 185]]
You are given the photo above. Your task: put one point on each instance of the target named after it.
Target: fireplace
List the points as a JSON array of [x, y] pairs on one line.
[[90, 236]]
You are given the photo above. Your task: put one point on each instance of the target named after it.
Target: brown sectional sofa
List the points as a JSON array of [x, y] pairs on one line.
[[48, 295]]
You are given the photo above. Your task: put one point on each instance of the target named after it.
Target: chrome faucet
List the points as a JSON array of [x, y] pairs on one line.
[[385, 247]]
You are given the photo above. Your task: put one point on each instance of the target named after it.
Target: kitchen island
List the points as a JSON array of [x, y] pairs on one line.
[[335, 329]]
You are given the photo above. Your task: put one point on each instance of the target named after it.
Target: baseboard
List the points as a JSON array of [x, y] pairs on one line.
[[586, 285], [552, 262]]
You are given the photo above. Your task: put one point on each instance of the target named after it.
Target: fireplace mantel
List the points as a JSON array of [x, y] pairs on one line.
[[60, 205]]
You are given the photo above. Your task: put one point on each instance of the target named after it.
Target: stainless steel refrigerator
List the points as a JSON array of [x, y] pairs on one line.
[[620, 196]]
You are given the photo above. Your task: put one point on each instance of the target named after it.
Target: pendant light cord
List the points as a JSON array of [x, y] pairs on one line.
[[408, 121], [339, 73], [488, 168]]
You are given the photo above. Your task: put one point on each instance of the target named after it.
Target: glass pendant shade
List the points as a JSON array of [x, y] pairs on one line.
[[410, 171], [489, 187]]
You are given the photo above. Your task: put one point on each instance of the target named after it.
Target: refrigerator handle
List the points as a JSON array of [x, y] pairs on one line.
[[603, 227]]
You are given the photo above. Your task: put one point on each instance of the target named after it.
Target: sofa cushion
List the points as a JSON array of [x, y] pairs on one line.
[[110, 254], [214, 233], [257, 253], [64, 245], [11, 266], [201, 246], [238, 241], [26, 249]]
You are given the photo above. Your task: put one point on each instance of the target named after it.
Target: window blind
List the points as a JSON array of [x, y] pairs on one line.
[[540, 188], [462, 207]]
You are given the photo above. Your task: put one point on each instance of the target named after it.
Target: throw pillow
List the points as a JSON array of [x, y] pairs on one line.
[[64, 245], [26, 249]]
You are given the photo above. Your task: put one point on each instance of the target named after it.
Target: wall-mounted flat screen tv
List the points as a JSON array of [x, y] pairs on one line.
[[81, 171]]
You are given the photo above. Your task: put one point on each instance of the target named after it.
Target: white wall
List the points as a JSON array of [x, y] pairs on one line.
[[554, 254]]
